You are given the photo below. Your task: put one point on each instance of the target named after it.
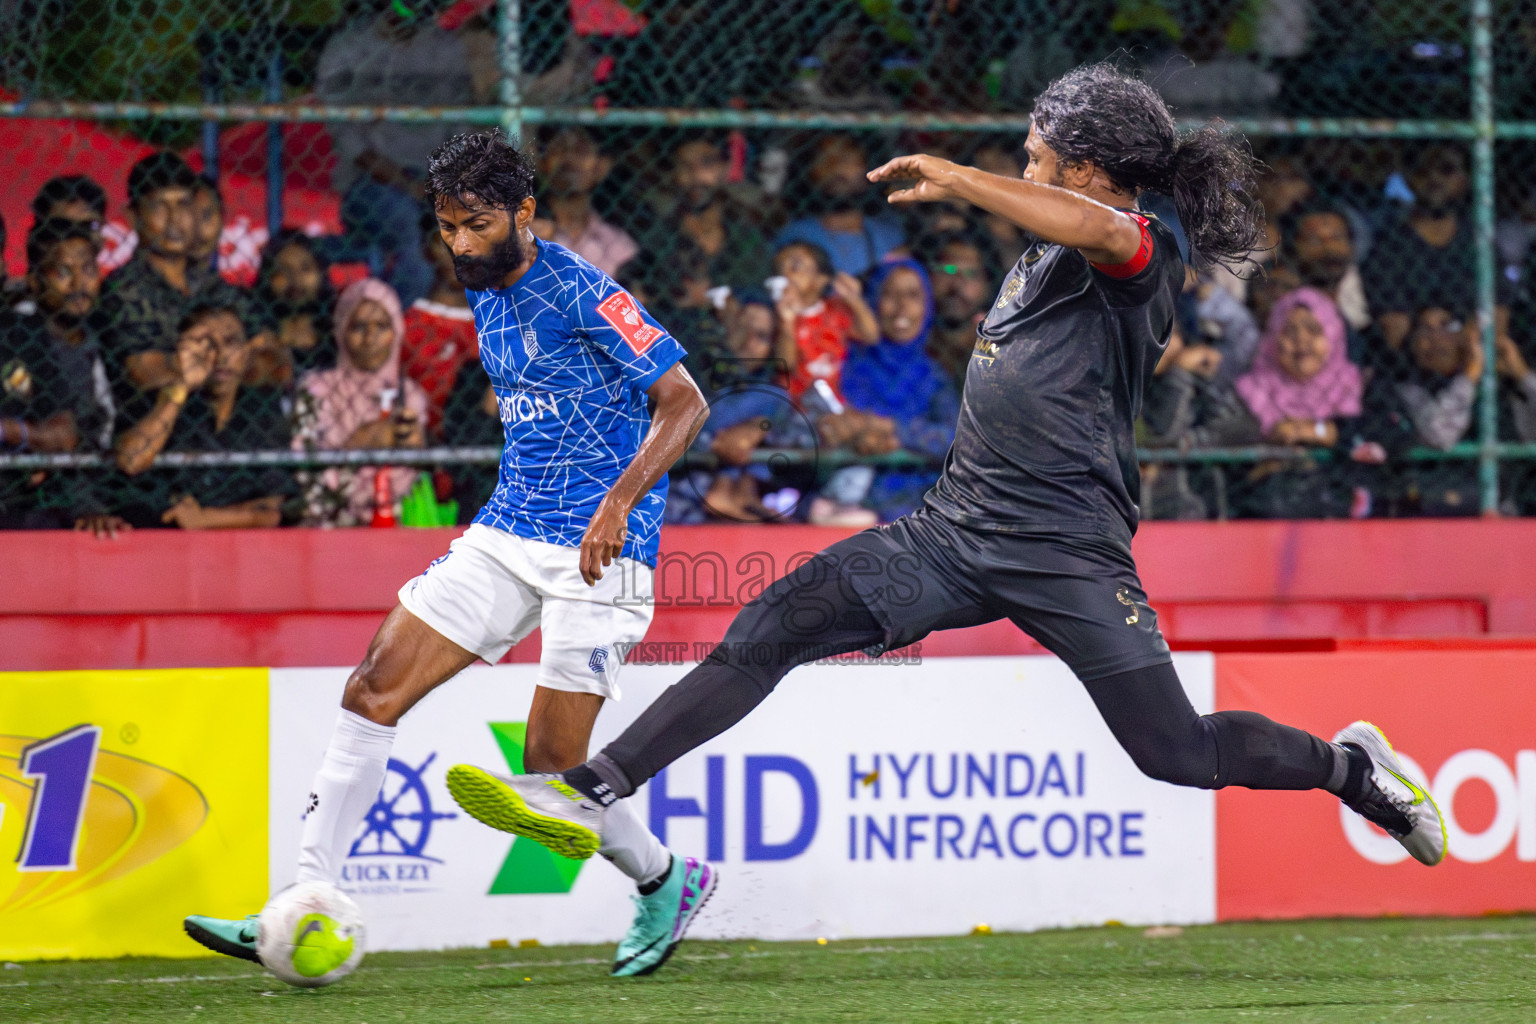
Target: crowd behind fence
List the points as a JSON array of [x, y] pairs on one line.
[[228, 305]]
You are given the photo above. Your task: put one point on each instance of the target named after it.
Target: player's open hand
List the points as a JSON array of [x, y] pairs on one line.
[[935, 178], [603, 541]]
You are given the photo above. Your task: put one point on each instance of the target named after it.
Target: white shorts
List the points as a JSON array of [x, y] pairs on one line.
[[493, 587]]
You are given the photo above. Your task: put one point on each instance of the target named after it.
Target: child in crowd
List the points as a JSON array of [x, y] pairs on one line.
[[819, 311]]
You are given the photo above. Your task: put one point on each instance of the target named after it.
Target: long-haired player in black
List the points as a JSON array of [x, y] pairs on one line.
[[1033, 515]]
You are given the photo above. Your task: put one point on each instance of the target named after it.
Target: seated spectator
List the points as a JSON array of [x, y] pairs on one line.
[[1428, 398], [819, 311], [686, 303], [1426, 259], [570, 169], [1439, 389], [75, 197], [840, 194], [749, 409], [1519, 386], [907, 400], [143, 303], [293, 301], [1320, 239], [364, 402], [1301, 390], [1302, 380], [205, 408], [54, 395], [1218, 323], [697, 209], [1006, 237], [963, 287], [398, 54], [439, 331]]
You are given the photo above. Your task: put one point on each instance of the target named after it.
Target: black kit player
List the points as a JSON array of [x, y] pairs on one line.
[[1033, 515]]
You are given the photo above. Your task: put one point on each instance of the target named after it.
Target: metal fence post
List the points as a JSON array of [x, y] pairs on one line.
[[276, 179], [509, 55], [1483, 224]]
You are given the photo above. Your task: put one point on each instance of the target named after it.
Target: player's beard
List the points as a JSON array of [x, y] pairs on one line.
[[479, 273]]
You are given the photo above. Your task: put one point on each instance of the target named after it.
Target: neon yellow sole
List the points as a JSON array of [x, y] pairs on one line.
[[490, 801]]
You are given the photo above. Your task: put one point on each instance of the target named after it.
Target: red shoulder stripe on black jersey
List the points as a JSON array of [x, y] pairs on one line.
[[1137, 263]]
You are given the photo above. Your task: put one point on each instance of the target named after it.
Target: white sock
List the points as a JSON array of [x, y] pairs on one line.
[[632, 847], [345, 787]]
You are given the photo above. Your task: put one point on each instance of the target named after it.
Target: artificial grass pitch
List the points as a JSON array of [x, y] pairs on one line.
[[1347, 971]]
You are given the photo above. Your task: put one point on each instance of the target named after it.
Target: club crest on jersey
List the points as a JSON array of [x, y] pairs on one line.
[[530, 343], [623, 314], [598, 663]]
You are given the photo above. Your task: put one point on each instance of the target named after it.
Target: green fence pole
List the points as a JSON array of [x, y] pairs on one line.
[[1482, 201], [509, 56]]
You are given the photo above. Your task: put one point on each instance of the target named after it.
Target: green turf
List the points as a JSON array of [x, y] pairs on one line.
[[1347, 971]]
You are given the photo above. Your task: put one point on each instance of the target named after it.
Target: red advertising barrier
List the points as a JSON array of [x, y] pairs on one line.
[[163, 598], [1464, 716]]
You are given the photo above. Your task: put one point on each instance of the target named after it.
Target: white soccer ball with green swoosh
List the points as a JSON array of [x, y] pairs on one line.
[[310, 934]]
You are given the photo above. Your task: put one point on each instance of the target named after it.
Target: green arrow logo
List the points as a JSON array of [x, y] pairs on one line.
[[529, 867]]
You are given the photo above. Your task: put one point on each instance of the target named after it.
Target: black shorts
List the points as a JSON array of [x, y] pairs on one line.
[[1079, 596]]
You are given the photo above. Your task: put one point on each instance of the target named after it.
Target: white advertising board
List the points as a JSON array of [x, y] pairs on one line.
[[860, 800]]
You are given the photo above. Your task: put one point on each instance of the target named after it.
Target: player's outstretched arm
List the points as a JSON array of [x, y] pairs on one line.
[[1057, 215], [680, 412]]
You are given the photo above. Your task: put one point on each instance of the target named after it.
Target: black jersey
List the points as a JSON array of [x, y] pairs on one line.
[[1046, 436]]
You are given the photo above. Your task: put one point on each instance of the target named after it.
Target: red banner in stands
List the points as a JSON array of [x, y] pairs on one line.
[[1464, 717]]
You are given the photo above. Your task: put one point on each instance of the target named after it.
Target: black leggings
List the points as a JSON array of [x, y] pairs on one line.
[[1145, 708]]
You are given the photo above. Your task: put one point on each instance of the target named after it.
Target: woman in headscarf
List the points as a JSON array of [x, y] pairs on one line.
[[1302, 381], [898, 396], [364, 402], [1304, 391]]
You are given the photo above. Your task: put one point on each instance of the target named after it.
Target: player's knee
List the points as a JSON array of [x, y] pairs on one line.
[[372, 693], [1185, 759]]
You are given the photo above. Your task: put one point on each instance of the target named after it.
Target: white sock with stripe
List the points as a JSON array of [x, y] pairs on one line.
[[344, 789]]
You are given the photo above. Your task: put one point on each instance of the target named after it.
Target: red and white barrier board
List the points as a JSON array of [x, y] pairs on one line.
[[1466, 718]]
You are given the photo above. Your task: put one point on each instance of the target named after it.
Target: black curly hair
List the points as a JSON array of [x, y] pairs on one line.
[[485, 165], [1101, 115]]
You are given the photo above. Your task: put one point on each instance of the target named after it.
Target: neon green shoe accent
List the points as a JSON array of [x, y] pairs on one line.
[[1419, 796], [492, 802], [564, 790], [317, 949]]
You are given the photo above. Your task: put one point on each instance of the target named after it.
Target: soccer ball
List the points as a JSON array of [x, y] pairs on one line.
[[310, 934]]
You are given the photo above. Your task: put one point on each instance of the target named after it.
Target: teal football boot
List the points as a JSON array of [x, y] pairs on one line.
[[235, 938], [663, 916]]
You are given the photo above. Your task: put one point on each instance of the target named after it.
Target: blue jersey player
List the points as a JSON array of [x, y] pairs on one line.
[[567, 542]]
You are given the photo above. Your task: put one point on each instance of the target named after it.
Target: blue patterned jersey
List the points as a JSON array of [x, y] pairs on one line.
[[570, 355]]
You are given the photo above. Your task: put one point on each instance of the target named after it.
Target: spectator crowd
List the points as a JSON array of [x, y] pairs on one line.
[[818, 319]]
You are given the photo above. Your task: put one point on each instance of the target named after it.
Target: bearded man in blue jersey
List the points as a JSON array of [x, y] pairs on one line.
[[566, 542]]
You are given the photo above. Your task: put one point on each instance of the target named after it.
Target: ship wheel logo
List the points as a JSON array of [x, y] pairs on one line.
[[400, 821]]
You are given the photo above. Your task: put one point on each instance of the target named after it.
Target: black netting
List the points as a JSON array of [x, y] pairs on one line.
[[710, 155]]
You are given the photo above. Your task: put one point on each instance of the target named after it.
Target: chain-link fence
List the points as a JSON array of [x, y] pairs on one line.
[[197, 189]]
